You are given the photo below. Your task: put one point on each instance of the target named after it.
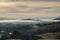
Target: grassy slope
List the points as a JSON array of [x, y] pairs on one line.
[[51, 35]]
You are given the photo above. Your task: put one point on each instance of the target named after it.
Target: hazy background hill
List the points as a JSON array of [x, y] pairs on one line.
[[58, 18]]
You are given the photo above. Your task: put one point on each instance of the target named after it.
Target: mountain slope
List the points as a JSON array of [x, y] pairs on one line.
[[58, 18]]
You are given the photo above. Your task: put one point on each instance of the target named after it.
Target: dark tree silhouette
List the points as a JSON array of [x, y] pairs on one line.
[[15, 35], [58, 37]]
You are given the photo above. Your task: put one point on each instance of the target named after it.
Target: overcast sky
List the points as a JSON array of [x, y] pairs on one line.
[[29, 8]]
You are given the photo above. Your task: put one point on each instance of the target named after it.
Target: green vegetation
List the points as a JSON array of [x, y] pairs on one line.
[[58, 37]]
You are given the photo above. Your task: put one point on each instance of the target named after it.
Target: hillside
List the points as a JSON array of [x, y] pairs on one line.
[[31, 30], [58, 18], [49, 35], [52, 34]]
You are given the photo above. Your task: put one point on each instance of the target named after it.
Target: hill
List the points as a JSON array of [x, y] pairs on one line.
[[58, 18]]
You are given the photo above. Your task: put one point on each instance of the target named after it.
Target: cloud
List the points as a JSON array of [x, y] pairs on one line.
[[20, 9], [28, 9], [28, 0]]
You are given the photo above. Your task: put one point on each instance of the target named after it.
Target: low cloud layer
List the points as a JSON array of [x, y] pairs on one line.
[[27, 0], [33, 9]]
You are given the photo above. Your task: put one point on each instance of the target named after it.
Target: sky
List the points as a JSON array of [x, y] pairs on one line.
[[29, 8]]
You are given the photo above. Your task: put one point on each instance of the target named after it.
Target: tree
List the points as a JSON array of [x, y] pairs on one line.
[[15, 35], [58, 37]]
